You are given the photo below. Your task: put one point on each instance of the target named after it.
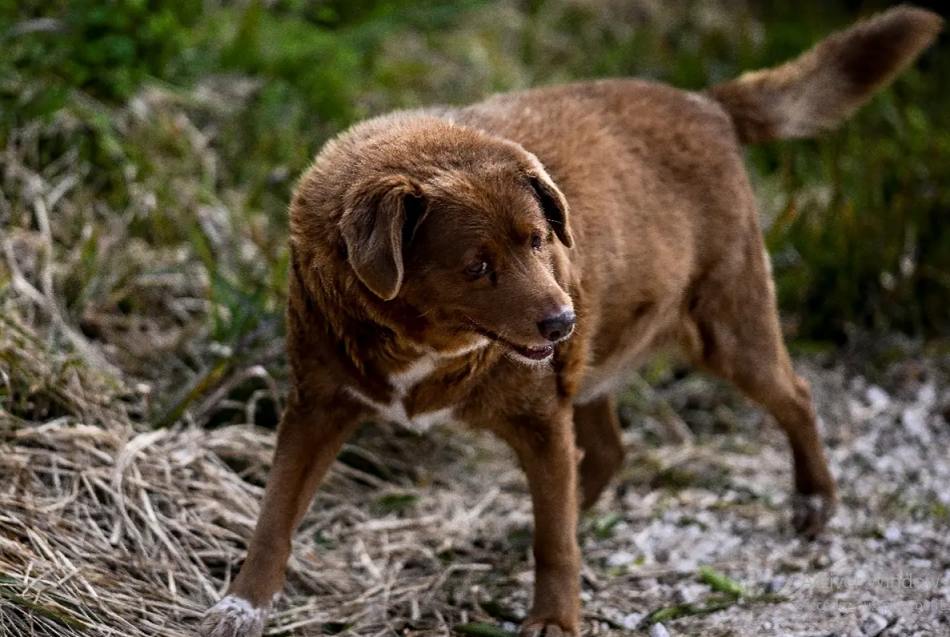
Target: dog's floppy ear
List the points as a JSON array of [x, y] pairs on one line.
[[381, 215], [553, 203]]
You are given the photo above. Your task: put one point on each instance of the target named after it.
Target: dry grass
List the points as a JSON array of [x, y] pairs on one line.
[[111, 528]]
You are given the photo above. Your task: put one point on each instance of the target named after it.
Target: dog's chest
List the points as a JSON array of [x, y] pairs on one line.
[[406, 407]]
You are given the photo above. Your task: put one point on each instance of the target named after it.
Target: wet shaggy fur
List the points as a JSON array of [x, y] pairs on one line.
[[429, 248]]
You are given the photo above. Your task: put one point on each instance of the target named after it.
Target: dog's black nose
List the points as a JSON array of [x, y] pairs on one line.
[[559, 326]]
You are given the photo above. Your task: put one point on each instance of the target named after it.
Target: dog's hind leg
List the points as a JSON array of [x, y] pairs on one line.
[[735, 314], [308, 440], [597, 431]]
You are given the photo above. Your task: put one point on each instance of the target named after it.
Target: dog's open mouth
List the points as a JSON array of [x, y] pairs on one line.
[[537, 353], [534, 353]]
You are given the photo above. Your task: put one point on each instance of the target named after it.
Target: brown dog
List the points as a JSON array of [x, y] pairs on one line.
[[504, 265]]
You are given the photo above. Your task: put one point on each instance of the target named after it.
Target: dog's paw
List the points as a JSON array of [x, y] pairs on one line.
[[233, 617], [810, 513], [545, 628]]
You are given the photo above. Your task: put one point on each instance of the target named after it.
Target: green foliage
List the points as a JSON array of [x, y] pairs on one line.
[[481, 629], [105, 48], [396, 502], [719, 582]]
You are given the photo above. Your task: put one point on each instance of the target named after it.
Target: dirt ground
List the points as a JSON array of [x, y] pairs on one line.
[[108, 530]]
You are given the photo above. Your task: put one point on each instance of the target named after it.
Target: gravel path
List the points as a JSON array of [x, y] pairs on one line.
[[719, 503]]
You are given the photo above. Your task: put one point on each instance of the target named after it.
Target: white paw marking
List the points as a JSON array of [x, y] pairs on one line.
[[233, 617]]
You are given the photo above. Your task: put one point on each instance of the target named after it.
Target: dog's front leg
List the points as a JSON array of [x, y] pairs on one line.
[[545, 448], [310, 435]]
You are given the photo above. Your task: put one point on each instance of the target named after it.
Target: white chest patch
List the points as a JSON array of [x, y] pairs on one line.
[[395, 412], [403, 382]]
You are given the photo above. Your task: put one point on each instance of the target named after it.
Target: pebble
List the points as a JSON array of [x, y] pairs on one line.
[[892, 534], [874, 625], [630, 621], [774, 585], [878, 400], [689, 593], [659, 630], [620, 558]]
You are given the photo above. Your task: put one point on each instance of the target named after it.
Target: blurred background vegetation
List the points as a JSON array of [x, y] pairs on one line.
[[148, 149]]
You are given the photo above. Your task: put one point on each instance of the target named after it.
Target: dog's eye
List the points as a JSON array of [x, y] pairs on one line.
[[536, 241], [477, 269]]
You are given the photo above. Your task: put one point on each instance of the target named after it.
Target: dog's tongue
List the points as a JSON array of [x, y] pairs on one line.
[[536, 353]]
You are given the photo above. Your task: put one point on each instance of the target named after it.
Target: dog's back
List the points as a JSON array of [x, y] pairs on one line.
[[657, 189]]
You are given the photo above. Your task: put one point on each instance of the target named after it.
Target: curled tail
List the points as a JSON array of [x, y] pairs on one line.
[[827, 83]]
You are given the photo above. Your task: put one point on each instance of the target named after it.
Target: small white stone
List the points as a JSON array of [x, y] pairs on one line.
[[630, 621], [659, 630], [914, 420], [892, 534], [878, 399], [620, 558], [873, 625], [775, 584]]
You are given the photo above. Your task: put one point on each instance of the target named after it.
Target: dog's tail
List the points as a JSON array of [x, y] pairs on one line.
[[827, 83]]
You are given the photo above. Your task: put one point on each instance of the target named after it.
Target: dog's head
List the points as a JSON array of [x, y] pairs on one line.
[[465, 232]]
